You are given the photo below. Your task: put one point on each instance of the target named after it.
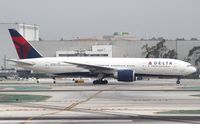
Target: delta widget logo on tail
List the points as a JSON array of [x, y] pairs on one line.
[[23, 48]]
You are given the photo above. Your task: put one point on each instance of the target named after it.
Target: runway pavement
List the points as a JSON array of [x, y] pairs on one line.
[[146, 101]]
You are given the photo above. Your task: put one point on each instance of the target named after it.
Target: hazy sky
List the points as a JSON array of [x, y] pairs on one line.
[[72, 18]]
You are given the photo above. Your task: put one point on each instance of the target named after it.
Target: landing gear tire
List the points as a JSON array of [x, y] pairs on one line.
[[178, 82], [100, 82], [54, 80], [37, 80]]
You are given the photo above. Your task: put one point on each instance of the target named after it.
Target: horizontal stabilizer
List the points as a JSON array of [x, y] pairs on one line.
[[21, 62]]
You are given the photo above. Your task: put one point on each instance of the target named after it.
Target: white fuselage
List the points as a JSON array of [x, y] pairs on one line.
[[145, 66]]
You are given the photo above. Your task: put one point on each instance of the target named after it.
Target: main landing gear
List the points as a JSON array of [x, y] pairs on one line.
[[54, 80], [178, 80], [100, 82], [100, 79]]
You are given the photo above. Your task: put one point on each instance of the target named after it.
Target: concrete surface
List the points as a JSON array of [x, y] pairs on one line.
[[117, 102]]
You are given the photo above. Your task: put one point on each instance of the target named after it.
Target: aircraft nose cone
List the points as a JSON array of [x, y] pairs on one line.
[[195, 69]]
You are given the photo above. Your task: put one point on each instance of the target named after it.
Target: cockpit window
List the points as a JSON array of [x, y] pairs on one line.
[[189, 65]]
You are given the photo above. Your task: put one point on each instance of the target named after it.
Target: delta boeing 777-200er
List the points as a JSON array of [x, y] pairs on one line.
[[122, 69]]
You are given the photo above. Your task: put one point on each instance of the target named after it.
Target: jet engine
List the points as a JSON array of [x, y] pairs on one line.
[[125, 75]]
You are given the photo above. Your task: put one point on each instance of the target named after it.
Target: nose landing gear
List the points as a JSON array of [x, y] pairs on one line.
[[178, 80]]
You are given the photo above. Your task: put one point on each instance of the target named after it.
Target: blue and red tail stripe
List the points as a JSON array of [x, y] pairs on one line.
[[23, 48]]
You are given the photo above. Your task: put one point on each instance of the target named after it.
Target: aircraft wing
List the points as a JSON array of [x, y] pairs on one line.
[[21, 62], [93, 68]]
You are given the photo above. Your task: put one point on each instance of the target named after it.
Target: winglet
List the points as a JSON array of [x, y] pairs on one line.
[[23, 48]]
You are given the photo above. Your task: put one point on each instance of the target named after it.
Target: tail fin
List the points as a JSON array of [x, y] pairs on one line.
[[23, 48]]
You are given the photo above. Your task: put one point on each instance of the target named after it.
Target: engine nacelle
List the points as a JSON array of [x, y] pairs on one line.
[[125, 75]]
